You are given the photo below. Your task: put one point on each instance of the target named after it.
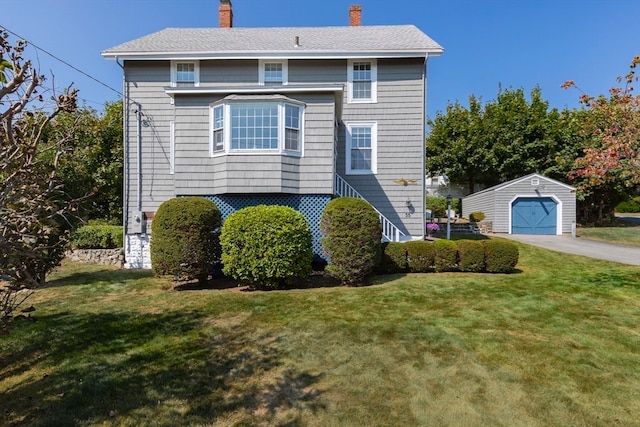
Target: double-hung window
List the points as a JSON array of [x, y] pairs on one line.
[[362, 81], [256, 127], [273, 72], [361, 148], [291, 127], [217, 125], [185, 73]]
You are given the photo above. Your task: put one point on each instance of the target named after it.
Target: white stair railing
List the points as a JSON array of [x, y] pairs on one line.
[[389, 231]]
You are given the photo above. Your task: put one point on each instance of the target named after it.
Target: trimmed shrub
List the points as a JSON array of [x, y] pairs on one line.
[[470, 256], [628, 206], [476, 216], [352, 239], [98, 237], [500, 256], [266, 246], [394, 258], [421, 256], [446, 255], [438, 205], [185, 238]]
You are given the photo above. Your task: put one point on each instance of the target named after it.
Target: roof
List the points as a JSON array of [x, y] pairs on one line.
[[507, 184], [390, 41]]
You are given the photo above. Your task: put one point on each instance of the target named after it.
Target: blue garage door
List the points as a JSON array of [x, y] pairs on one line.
[[533, 215]]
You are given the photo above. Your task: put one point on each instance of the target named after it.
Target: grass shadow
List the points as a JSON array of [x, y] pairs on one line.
[[99, 274], [90, 368]]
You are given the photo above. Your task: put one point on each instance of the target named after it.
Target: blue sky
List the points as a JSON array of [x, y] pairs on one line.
[[488, 43]]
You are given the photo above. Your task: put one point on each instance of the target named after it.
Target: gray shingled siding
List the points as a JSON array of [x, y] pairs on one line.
[[496, 203], [228, 73], [398, 112], [482, 202], [144, 80], [399, 115]]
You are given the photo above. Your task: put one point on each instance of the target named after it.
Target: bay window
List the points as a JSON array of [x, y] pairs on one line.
[[256, 127]]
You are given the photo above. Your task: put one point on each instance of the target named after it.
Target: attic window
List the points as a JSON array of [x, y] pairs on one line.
[[273, 72], [185, 73]]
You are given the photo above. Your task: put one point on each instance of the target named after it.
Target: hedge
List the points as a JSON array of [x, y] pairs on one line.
[[421, 256], [98, 237], [500, 256], [470, 256], [394, 258], [446, 255]]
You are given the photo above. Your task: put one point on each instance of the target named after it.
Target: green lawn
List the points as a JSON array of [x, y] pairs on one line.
[[556, 344], [624, 232]]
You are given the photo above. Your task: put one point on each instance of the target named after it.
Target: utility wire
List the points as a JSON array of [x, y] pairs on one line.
[[63, 61]]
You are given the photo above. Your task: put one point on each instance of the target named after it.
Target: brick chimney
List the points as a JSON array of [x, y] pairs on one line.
[[226, 14], [355, 15]]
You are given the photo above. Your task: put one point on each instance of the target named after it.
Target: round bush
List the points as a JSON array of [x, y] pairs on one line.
[[628, 206], [476, 216], [470, 256], [446, 255], [394, 258], [352, 239], [500, 256], [184, 238], [266, 246], [421, 256]]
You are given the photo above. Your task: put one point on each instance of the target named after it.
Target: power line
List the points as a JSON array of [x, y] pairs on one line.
[[63, 61]]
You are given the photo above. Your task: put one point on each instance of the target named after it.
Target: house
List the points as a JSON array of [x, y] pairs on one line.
[[532, 204], [288, 116]]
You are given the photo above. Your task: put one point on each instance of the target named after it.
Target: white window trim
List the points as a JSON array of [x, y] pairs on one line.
[[285, 70], [174, 72], [374, 148], [374, 82], [172, 147], [281, 131], [212, 142]]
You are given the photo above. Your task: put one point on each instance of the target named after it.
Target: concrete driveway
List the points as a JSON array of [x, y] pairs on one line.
[[590, 248]]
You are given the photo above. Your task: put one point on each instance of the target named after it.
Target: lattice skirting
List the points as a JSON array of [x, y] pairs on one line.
[[311, 206]]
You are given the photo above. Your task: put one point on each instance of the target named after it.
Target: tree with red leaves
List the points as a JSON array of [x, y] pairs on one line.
[[609, 169]]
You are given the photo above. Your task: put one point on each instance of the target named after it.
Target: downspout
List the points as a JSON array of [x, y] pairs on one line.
[[125, 151], [424, 147], [138, 156]]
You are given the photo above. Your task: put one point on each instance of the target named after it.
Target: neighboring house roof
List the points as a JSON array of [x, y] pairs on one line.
[[390, 41]]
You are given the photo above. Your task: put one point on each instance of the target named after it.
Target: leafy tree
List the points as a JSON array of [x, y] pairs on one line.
[[609, 168], [93, 174], [35, 211], [459, 148], [502, 140]]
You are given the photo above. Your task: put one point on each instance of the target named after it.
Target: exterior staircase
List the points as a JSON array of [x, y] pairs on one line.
[[390, 232]]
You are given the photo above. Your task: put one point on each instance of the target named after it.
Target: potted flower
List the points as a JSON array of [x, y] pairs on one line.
[[432, 227]]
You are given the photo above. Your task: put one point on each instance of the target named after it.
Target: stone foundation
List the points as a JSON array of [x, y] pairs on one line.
[[97, 256]]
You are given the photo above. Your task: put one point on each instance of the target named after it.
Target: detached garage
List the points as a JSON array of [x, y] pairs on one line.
[[533, 204]]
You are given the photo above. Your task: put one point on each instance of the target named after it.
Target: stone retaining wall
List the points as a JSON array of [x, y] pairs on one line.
[[485, 227], [98, 256]]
